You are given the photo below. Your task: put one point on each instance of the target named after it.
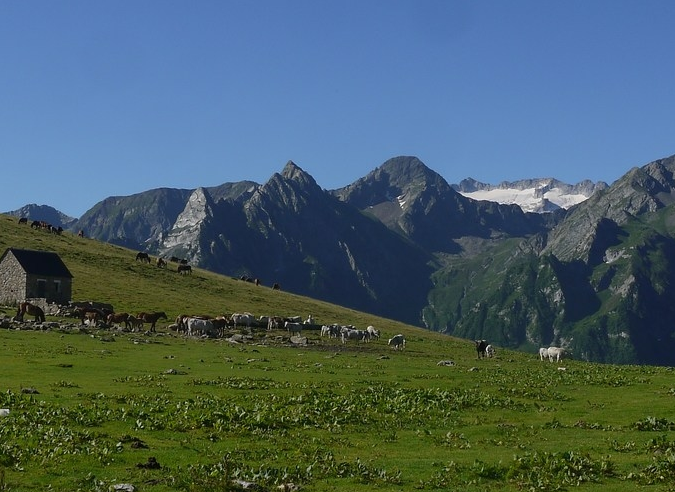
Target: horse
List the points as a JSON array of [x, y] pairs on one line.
[[161, 263], [32, 310], [23, 220], [184, 269], [119, 318], [142, 257], [276, 286], [90, 314], [152, 318]]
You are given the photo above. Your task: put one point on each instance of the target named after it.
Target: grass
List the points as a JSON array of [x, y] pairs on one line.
[[326, 416]]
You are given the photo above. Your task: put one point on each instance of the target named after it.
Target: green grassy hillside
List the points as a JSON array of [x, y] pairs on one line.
[[163, 412], [108, 273]]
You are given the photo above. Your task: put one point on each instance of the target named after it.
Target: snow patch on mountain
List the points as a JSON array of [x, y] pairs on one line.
[[532, 195]]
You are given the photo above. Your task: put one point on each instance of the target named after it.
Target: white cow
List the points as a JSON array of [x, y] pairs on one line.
[[398, 342], [373, 332], [490, 351], [352, 334], [556, 354], [543, 353], [198, 327]]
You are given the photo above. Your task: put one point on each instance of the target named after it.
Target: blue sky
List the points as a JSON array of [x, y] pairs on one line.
[[112, 98]]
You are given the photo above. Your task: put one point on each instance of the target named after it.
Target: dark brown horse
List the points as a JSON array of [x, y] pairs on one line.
[[91, 314], [143, 257], [152, 318], [32, 310]]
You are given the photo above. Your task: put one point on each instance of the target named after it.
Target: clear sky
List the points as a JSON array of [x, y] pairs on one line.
[[112, 98]]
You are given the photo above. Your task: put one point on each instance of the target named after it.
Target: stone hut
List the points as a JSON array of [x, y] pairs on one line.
[[29, 274]]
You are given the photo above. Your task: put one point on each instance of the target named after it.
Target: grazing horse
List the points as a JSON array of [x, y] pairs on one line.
[[119, 318], [32, 310], [161, 263], [276, 286], [23, 220], [184, 269], [152, 318], [142, 257]]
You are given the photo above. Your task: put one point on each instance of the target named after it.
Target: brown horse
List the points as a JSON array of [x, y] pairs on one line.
[[31, 310], [152, 318], [90, 314], [119, 318]]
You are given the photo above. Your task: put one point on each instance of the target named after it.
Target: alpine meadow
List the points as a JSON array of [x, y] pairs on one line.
[[100, 409]]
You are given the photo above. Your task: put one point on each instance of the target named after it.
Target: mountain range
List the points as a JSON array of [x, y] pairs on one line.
[[591, 270]]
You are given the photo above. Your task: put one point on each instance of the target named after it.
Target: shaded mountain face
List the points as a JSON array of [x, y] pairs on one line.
[[597, 278], [413, 200], [44, 213]]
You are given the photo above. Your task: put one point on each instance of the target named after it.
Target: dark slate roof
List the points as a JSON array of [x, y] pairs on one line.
[[45, 263]]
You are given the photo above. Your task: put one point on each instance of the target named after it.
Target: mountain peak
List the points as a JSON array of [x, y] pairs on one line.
[[294, 172]]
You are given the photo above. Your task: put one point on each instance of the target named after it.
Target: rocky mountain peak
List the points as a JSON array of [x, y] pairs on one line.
[[399, 181], [183, 240], [293, 172]]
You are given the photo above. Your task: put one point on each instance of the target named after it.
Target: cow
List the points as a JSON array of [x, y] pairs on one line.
[[490, 351], [373, 332], [481, 345], [331, 331], [556, 354], [349, 333], [275, 323], [198, 326], [184, 269], [543, 353], [241, 319], [293, 328], [161, 263], [276, 286], [397, 342], [220, 324], [23, 220]]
